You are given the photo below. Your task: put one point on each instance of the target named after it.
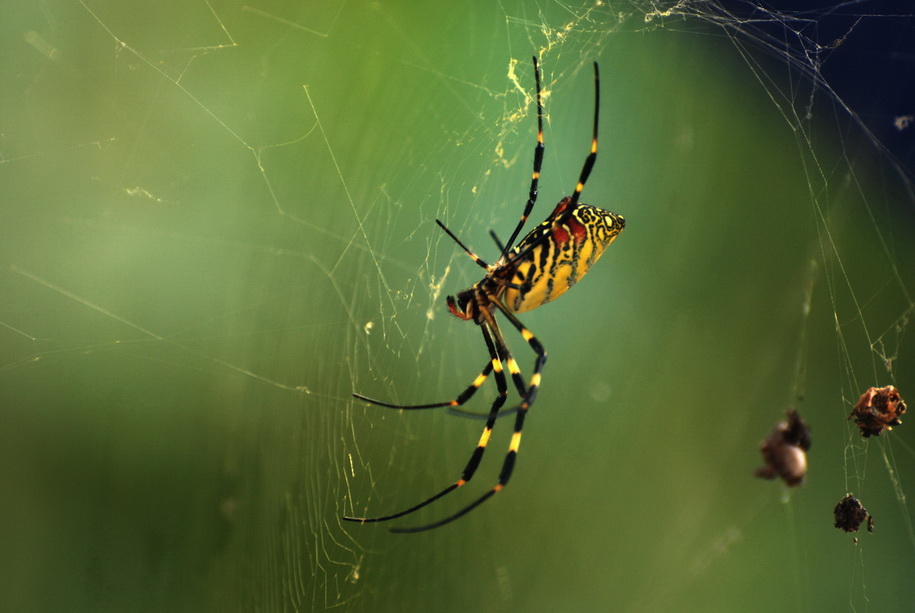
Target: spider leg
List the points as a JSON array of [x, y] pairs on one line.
[[507, 357], [499, 244], [592, 157], [466, 249], [463, 397], [508, 464], [468, 414], [517, 379], [474, 462], [535, 345], [538, 164]]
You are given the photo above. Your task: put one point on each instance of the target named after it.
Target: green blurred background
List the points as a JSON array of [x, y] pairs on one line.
[[218, 221]]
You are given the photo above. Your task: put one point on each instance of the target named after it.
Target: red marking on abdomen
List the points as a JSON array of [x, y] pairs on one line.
[[560, 235], [577, 229]]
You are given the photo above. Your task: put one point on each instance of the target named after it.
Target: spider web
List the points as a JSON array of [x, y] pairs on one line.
[[218, 222]]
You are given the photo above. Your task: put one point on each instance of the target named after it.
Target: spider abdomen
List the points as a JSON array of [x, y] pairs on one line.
[[565, 246]]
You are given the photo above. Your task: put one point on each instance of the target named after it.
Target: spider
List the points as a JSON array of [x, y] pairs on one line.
[[547, 262], [878, 409], [785, 450]]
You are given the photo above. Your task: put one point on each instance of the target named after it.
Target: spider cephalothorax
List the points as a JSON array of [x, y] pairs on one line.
[[462, 304]]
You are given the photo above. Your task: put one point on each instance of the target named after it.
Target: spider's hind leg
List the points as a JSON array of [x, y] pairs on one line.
[[474, 462]]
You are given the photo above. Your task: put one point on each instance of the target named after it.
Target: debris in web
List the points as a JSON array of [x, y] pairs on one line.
[[850, 514], [878, 409], [785, 450]]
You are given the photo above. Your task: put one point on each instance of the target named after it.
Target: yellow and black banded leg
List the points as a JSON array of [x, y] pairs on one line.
[[463, 397], [477, 455], [535, 345], [466, 249], [514, 371], [508, 465], [592, 156], [538, 164], [508, 358]]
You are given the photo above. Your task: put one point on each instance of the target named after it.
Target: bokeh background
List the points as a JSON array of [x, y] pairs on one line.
[[217, 222]]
